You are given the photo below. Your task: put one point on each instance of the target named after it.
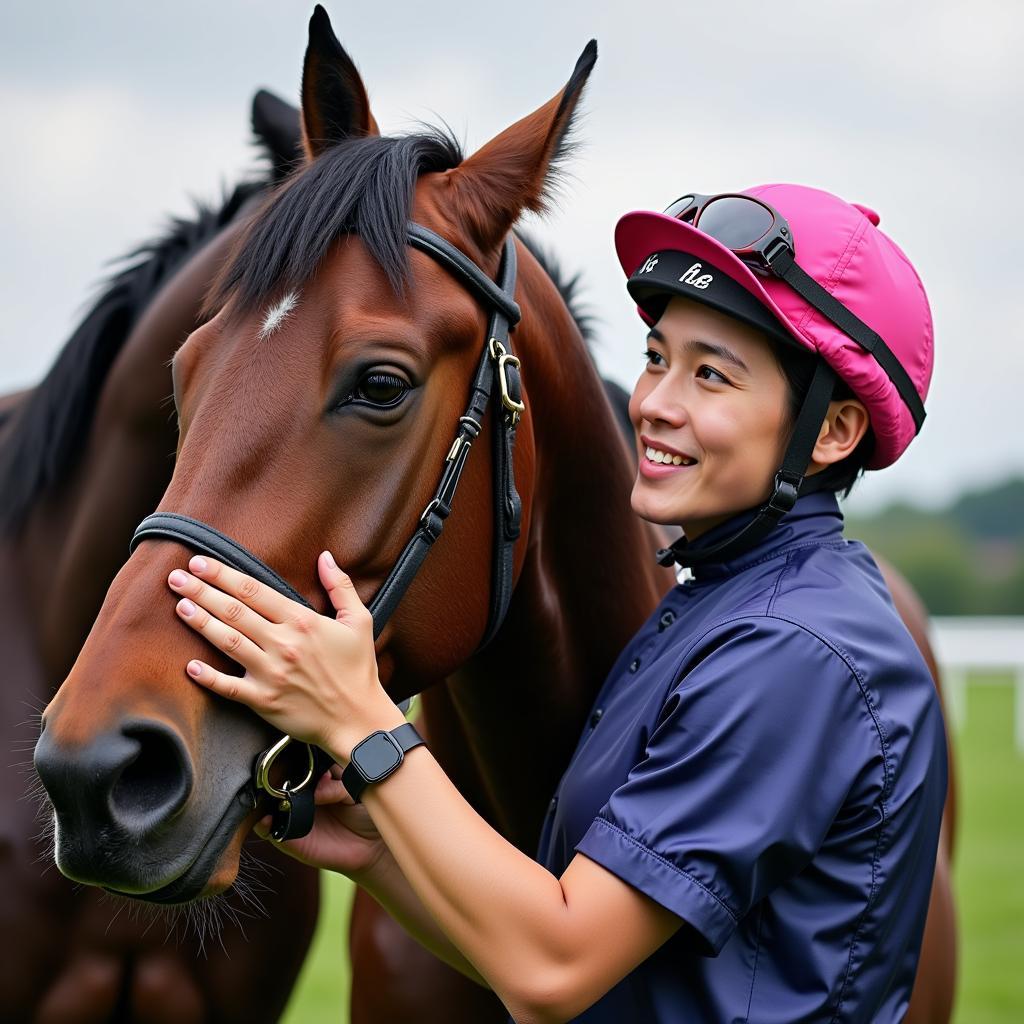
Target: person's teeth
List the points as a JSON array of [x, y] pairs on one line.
[[664, 458]]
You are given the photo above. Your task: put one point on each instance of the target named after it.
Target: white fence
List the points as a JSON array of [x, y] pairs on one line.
[[967, 645]]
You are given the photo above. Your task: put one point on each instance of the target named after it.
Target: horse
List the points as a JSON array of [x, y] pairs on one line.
[[150, 777], [82, 456]]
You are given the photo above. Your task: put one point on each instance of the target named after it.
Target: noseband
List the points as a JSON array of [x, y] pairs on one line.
[[293, 816]]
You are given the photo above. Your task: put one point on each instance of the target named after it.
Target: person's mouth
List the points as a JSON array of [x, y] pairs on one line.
[[660, 459]]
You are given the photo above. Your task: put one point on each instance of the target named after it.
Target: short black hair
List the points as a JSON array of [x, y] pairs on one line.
[[798, 367]]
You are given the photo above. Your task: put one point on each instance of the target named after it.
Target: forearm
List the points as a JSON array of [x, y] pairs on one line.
[[391, 889], [503, 911]]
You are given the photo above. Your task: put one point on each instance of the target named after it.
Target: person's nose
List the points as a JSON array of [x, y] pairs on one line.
[[664, 403]]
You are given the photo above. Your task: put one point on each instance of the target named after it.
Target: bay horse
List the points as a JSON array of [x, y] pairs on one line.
[[321, 310]]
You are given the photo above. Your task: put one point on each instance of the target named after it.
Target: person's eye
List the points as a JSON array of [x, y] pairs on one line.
[[706, 372], [653, 358], [384, 390]]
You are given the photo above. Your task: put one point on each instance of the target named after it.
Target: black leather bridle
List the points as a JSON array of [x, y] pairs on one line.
[[293, 815]]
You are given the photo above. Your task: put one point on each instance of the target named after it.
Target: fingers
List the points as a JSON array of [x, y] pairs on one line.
[[236, 688], [269, 603], [331, 791], [341, 591], [233, 642], [229, 610]]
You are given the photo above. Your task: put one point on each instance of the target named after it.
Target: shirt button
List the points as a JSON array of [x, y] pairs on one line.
[[596, 717], [666, 620], [552, 805], [634, 664]]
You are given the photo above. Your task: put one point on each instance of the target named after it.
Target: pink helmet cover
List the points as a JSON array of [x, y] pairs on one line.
[[840, 245]]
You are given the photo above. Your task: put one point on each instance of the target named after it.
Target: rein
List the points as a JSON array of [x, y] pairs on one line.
[[293, 815]]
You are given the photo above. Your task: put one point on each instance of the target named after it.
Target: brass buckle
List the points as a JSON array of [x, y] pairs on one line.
[[497, 351], [266, 762]]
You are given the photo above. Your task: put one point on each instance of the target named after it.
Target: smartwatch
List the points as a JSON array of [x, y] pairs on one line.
[[376, 757]]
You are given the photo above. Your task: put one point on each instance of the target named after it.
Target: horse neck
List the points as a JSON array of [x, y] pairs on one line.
[[76, 539], [589, 579]]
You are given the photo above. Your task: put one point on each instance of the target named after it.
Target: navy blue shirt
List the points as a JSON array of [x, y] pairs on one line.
[[767, 760]]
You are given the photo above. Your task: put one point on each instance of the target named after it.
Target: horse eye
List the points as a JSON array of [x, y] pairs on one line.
[[384, 389]]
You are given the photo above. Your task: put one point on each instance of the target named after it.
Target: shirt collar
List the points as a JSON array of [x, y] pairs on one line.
[[815, 519]]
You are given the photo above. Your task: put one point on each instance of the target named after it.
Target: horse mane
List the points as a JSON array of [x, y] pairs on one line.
[[362, 185], [49, 430], [568, 287]]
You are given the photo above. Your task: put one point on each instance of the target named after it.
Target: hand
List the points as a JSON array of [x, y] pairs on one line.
[[343, 837], [312, 677]]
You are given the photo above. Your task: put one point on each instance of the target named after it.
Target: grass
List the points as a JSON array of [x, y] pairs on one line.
[[989, 877], [989, 864]]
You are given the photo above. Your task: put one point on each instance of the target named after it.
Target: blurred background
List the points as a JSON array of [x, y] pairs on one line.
[[119, 114]]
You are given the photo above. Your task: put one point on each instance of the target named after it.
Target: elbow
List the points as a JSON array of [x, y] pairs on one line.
[[544, 998]]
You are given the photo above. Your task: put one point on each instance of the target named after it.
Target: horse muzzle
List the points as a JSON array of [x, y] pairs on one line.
[[125, 814]]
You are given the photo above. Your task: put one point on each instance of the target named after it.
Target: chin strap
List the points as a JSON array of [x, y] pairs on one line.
[[789, 481]]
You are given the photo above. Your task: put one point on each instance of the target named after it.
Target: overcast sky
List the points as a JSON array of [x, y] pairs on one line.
[[116, 112]]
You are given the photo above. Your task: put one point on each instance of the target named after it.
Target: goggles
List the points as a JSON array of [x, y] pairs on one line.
[[757, 234], [753, 230]]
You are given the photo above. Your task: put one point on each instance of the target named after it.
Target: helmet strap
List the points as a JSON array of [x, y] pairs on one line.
[[788, 481]]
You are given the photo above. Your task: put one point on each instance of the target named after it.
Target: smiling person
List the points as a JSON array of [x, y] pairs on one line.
[[748, 827]]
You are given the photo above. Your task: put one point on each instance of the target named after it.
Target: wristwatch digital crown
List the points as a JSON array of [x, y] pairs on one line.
[[376, 757]]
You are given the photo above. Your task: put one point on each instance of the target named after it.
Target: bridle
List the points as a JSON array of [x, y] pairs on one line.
[[293, 816]]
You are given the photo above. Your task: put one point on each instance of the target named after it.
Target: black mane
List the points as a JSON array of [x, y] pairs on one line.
[[360, 186], [363, 186], [568, 286], [49, 429]]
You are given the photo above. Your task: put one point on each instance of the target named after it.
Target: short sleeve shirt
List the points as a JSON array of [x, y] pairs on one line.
[[767, 760]]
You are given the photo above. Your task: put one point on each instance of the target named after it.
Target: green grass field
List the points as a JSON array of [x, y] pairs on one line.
[[989, 875]]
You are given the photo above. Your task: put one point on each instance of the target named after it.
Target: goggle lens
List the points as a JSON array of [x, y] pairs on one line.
[[679, 207], [735, 221]]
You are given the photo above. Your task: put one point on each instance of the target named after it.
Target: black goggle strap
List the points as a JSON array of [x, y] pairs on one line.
[[784, 265], [788, 481]]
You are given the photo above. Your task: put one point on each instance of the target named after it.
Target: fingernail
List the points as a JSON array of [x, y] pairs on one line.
[[193, 668], [177, 578], [198, 564], [186, 607], [329, 559]]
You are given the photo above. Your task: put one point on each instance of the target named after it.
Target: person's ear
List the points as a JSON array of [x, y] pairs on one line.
[[846, 423]]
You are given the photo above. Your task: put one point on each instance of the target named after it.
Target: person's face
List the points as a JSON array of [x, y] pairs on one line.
[[714, 398]]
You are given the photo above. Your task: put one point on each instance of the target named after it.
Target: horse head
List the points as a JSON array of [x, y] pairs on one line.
[[316, 408]]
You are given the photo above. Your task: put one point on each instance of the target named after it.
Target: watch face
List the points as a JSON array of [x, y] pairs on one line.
[[377, 756]]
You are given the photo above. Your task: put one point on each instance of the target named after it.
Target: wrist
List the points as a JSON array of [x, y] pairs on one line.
[[384, 716]]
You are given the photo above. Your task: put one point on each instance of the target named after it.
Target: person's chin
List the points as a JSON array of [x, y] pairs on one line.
[[655, 508]]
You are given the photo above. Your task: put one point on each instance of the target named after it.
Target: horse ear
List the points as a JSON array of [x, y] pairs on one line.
[[517, 169], [334, 101]]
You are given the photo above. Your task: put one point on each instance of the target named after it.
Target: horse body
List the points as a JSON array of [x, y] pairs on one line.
[[275, 450]]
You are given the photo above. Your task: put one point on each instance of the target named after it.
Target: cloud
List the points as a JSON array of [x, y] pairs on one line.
[[115, 113]]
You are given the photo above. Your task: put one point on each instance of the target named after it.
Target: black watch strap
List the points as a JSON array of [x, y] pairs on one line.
[[357, 776]]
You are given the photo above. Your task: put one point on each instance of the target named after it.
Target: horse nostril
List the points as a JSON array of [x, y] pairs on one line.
[[154, 780]]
